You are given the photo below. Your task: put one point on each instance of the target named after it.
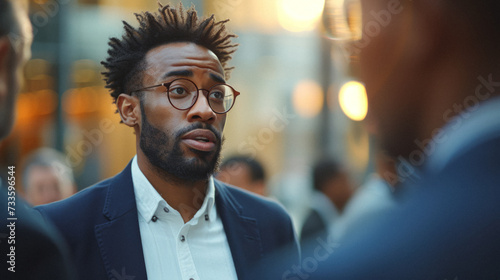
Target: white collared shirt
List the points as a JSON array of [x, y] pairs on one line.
[[173, 249]]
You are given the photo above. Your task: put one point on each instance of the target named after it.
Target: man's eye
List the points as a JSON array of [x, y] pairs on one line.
[[217, 95], [178, 91]]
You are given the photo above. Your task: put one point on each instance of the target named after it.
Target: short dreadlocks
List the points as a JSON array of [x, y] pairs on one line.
[[126, 56]]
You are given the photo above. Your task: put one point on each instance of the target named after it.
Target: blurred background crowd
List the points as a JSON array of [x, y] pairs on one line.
[[297, 125]]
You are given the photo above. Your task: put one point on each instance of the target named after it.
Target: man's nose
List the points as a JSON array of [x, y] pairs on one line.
[[201, 110]]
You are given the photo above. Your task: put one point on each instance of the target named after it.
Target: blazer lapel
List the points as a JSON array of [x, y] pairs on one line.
[[119, 238], [242, 232]]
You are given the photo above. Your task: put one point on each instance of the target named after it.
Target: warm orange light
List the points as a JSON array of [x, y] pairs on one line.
[[35, 106], [353, 100], [308, 99], [299, 15], [80, 103]]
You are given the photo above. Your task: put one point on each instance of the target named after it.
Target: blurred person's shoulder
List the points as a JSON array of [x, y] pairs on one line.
[[33, 241], [445, 227]]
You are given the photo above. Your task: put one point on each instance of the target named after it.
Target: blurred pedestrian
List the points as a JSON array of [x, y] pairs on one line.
[[371, 200], [433, 82], [47, 177], [164, 216], [29, 248], [332, 191], [244, 172]]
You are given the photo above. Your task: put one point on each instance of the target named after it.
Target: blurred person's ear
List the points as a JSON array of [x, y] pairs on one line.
[[129, 109], [4, 64], [4, 49]]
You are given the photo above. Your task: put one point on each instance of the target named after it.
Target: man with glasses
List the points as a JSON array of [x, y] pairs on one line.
[[164, 216], [432, 75]]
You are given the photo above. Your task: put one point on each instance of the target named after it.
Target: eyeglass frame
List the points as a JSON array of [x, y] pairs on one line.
[[167, 85]]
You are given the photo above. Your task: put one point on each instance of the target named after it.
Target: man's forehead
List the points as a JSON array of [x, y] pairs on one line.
[[183, 54]]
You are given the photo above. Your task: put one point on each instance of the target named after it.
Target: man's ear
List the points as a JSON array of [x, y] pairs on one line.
[[129, 109]]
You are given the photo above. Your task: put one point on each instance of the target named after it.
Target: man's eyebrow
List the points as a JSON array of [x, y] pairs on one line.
[[183, 73], [189, 73], [217, 78]]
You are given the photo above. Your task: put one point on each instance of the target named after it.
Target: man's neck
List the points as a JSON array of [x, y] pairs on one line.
[[184, 196], [465, 90]]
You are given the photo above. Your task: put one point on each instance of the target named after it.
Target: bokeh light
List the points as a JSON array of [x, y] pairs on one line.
[[342, 19], [299, 15], [308, 98], [353, 100]]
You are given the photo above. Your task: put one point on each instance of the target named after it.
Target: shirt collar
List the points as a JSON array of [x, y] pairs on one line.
[[149, 201], [207, 209]]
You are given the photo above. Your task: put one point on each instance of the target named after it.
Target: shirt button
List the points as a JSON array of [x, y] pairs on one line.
[[183, 238], [191, 278], [154, 219], [206, 217], [166, 210]]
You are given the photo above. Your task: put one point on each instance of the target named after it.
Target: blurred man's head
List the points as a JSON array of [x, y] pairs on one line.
[[419, 59], [244, 172], [15, 44], [47, 177], [333, 181]]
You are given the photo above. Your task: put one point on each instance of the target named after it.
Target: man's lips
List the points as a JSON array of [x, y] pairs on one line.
[[200, 139]]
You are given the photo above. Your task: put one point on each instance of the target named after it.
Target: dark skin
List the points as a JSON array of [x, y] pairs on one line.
[[424, 61], [338, 190], [164, 64]]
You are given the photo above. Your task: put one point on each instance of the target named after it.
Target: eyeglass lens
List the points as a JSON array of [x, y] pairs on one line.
[[182, 94]]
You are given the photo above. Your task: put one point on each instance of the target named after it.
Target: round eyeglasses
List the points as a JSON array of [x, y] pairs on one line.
[[183, 94]]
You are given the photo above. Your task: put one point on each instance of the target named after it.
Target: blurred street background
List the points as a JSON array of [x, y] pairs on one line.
[[289, 114]]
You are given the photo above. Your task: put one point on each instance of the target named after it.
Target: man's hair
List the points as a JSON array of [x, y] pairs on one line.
[[323, 171], [257, 172], [125, 62]]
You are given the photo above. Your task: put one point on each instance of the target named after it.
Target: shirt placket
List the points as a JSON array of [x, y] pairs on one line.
[[186, 263]]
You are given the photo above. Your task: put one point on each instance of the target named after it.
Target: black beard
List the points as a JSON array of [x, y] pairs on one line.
[[165, 154]]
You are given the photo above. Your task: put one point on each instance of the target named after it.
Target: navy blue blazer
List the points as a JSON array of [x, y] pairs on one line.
[[446, 227], [101, 227]]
